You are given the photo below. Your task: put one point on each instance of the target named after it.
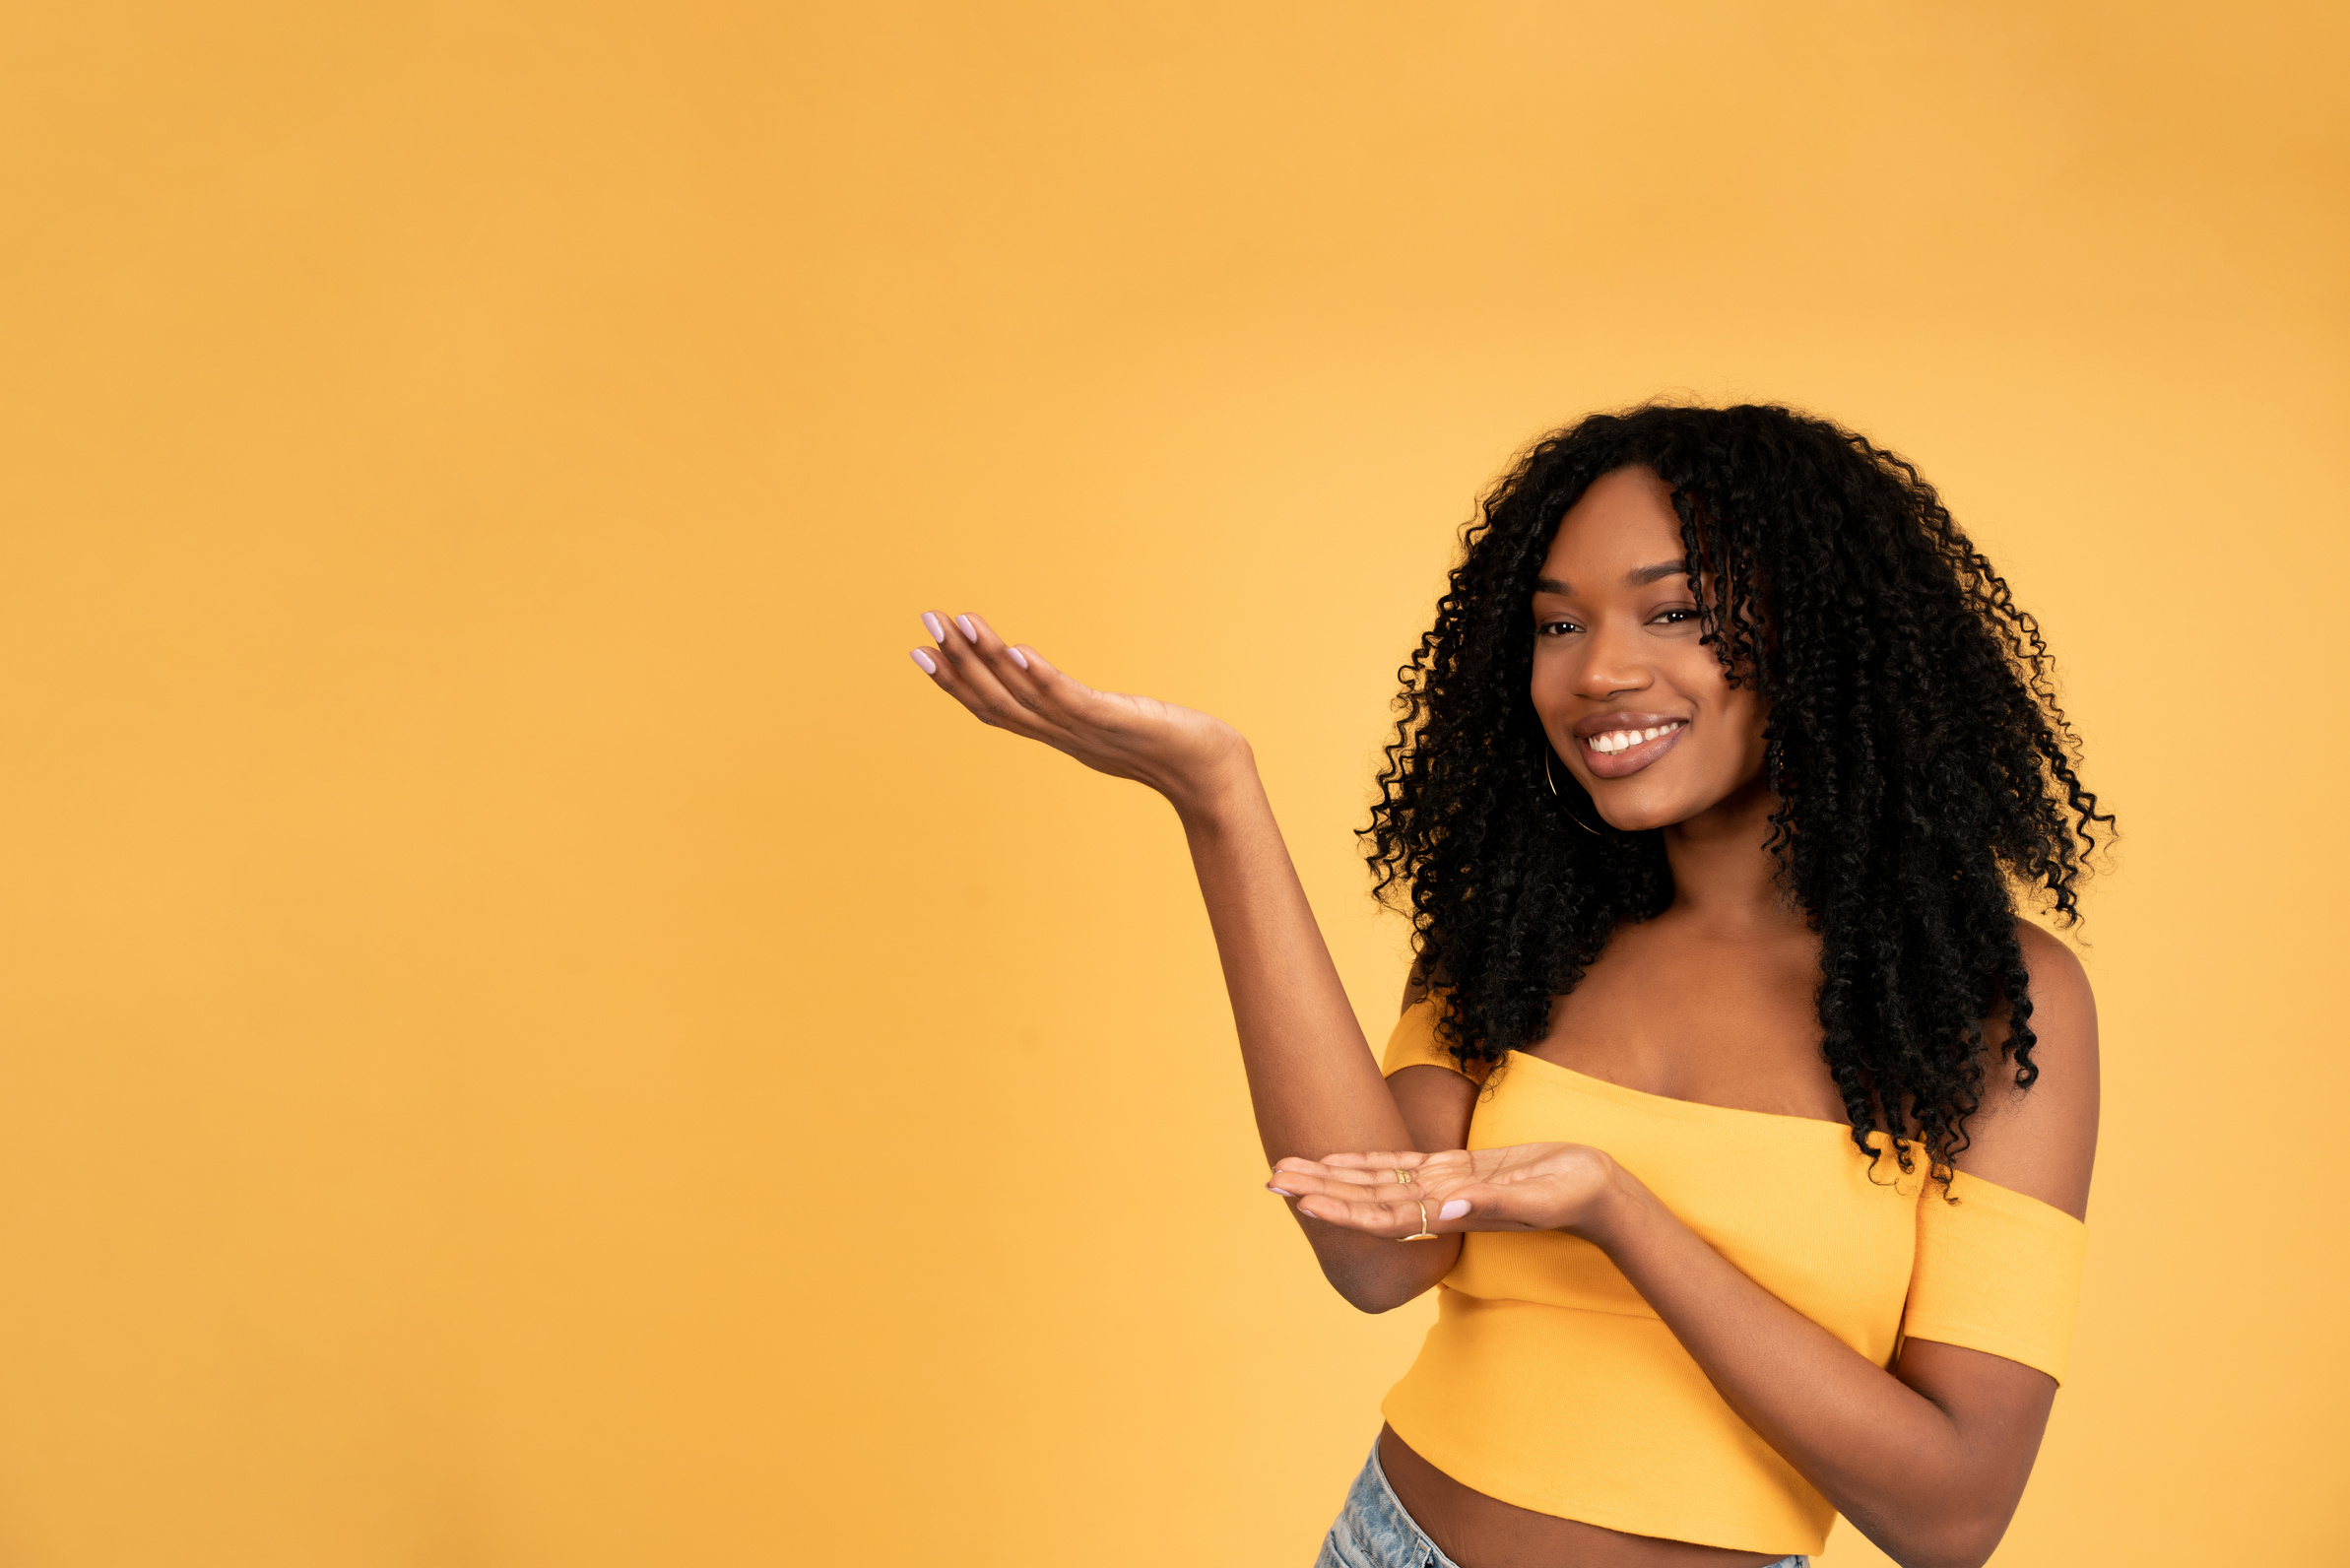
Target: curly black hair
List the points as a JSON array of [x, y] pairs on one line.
[[1923, 770]]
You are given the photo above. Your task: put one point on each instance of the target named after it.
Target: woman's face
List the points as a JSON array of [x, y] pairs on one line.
[[1634, 704]]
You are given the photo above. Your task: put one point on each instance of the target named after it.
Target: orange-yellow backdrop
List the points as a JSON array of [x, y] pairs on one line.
[[529, 1036]]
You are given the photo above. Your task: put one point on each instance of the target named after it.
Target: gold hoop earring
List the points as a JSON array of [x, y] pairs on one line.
[[1562, 799]]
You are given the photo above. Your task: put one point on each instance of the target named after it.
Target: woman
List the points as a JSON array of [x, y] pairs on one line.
[[1742, 1127]]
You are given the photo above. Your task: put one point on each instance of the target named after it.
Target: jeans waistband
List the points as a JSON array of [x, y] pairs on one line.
[[1375, 1530]]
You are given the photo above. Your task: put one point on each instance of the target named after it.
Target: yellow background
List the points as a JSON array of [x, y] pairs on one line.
[[529, 1034]]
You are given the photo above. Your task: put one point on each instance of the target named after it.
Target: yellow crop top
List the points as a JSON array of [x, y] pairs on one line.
[[1548, 1383]]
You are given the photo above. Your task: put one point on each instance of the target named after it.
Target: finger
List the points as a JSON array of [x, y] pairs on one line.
[[1390, 1211], [967, 673], [1367, 1170], [1055, 693], [1393, 1221], [1059, 704], [1400, 1159], [927, 659], [1329, 1165], [1008, 665], [1342, 1186], [1295, 1181]]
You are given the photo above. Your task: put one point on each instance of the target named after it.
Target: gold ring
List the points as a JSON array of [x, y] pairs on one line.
[[1425, 1233]]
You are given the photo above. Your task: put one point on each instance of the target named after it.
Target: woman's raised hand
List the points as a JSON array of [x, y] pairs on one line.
[[1182, 753], [1523, 1187]]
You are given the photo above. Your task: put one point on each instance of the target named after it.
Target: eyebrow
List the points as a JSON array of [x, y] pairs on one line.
[[1637, 576]]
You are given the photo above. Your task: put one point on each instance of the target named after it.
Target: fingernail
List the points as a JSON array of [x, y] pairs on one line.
[[930, 666], [1018, 657], [935, 627], [969, 630], [1454, 1210], [1283, 1190]]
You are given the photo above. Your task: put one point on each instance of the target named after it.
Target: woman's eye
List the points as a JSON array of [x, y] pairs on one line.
[[1554, 629], [1673, 617]]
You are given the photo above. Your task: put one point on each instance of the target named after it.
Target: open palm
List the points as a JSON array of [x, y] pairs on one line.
[[1174, 749], [1519, 1187]]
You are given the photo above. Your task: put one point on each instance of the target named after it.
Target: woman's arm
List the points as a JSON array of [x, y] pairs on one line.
[[1929, 1460], [1312, 1078]]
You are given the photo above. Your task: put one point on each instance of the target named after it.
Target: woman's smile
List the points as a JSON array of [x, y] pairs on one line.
[[1622, 672], [1619, 745]]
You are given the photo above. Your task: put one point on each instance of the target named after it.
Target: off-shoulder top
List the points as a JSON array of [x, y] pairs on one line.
[[1547, 1382]]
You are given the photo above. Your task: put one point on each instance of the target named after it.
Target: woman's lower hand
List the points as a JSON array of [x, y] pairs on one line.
[[1521, 1187], [1182, 753]]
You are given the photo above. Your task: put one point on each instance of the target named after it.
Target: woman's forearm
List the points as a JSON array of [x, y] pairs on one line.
[[1899, 1466], [1312, 1078]]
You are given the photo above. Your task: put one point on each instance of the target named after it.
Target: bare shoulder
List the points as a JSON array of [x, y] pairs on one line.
[[2042, 1140], [2060, 985]]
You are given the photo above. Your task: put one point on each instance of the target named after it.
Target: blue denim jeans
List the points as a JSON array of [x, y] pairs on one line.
[[1374, 1531]]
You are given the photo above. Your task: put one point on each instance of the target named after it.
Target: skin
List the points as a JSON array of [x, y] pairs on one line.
[[1927, 1458]]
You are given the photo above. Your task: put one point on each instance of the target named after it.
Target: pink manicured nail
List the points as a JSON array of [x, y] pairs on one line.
[[930, 666], [935, 627], [1454, 1210], [969, 630], [1018, 657], [1283, 1190]]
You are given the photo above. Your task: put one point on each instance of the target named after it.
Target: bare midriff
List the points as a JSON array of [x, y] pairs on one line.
[[1480, 1532]]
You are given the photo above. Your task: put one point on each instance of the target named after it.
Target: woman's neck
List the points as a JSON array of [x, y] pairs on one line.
[[1723, 878]]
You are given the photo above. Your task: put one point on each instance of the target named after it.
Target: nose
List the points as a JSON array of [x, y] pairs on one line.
[[1611, 663]]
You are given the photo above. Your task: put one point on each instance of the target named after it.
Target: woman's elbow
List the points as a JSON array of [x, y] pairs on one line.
[[1374, 1284], [1373, 1290], [1962, 1541], [1375, 1276], [1979, 1542], [1377, 1302]]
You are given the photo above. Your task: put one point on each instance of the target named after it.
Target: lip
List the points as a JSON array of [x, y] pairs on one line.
[[1623, 764]]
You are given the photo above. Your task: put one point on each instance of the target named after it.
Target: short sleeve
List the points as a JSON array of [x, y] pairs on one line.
[[1997, 1271], [1414, 1044]]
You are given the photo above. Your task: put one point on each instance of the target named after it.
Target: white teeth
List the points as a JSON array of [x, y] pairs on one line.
[[1614, 741]]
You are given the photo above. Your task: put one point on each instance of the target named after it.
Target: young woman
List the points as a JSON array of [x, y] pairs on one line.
[[1742, 1128]]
